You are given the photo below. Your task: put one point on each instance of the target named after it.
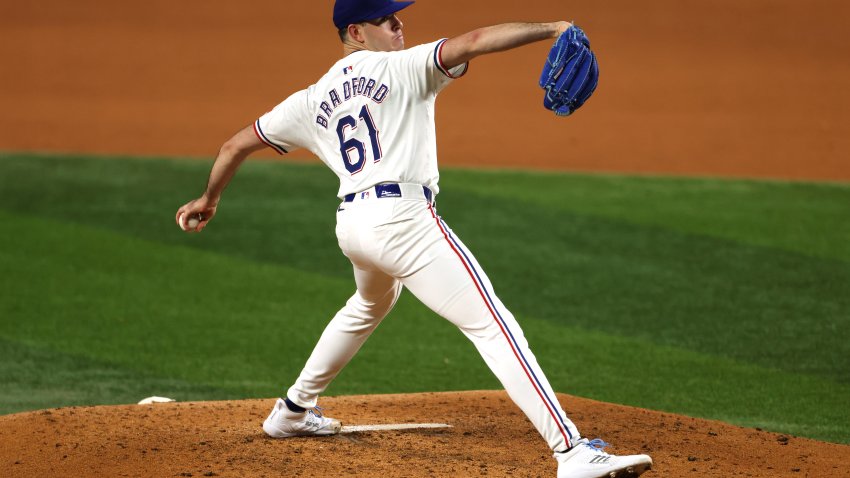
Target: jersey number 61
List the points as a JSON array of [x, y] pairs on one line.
[[346, 146]]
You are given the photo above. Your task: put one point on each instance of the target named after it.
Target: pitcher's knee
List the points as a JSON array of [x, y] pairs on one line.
[[359, 312], [377, 306]]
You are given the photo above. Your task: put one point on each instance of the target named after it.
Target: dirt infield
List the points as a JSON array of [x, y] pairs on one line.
[[489, 437], [717, 87]]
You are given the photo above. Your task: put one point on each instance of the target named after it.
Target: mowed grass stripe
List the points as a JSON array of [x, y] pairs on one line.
[[173, 313], [794, 216], [168, 310], [641, 373], [38, 377], [771, 307], [273, 213]]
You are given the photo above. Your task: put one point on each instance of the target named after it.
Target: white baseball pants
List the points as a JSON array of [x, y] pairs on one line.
[[402, 242]]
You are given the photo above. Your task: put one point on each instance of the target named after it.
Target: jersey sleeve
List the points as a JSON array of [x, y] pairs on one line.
[[451, 73], [425, 69], [285, 128]]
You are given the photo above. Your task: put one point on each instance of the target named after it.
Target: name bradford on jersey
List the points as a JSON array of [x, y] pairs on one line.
[[357, 86]]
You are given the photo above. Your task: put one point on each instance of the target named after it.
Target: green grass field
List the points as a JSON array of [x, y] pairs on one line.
[[725, 299]]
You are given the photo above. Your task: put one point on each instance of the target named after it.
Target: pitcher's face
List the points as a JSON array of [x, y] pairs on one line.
[[384, 34]]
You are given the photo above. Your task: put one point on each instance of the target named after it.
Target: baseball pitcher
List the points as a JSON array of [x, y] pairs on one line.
[[370, 119]]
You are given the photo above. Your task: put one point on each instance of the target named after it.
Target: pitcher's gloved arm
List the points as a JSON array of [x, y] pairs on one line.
[[461, 49]]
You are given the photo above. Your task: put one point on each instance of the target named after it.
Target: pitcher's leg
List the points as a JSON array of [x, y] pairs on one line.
[[454, 285], [345, 334]]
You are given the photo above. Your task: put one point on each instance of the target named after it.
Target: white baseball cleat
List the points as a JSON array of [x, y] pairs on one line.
[[587, 460], [283, 423]]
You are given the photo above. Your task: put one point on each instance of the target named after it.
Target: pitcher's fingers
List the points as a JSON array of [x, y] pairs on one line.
[[204, 219], [181, 212]]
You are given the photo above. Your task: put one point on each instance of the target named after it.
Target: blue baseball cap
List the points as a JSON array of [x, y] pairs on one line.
[[347, 12]]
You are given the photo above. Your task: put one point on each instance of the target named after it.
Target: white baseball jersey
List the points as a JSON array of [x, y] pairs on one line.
[[370, 118]]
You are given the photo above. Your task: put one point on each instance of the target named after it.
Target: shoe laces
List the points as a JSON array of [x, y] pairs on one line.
[[316, 411], [597, 444]]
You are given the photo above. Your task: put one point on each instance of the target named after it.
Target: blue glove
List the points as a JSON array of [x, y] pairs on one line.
[[570, 74]]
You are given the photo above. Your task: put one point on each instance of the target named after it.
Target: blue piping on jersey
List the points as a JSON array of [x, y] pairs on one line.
[[266, 140]]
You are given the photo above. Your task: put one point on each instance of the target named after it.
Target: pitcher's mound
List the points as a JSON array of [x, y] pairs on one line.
[[489, 437]]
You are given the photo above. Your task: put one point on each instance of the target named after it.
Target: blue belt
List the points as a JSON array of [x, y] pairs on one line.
[[389, 190]]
